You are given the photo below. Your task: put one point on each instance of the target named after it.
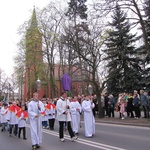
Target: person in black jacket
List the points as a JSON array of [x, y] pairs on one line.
[[106, 99], [95, 101], [111, 104], [130, 107]]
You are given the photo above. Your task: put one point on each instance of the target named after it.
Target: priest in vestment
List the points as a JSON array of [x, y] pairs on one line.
[[35, 111]]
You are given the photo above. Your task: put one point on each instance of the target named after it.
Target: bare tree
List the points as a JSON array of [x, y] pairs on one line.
[[50, 20]]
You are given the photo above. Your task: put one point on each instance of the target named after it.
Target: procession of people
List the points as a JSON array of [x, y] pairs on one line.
[[42, 113]]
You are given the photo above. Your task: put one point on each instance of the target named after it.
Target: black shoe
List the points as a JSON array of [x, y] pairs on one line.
[[2, 130], [37, 146], [33, 147], [25, 138]]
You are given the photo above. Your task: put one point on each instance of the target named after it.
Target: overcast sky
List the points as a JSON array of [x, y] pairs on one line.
[[13, 13]]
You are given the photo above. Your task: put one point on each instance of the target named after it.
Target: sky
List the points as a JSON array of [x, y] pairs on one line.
[[13, 13]]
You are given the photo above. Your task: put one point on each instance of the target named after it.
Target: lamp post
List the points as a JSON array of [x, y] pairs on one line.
[[85, 89], [7, 100], [38, 85], [79, 90], [90, 89]]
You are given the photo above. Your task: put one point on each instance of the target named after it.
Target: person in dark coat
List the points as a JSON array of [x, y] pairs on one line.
[[136, 104], [95, 101], [106, 99], [144, 102], [111, 105], [130, 107]]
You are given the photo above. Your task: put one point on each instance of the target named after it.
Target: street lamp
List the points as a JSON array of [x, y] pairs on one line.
[[79, 90], [90, 89], [7, 100], [38, 84], [85, 89]]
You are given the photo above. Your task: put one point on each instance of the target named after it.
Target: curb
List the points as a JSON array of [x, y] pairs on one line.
[[123, 123]]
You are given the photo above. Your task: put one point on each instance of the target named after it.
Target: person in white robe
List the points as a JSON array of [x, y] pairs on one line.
[[75, 114], [50, 111], [23, 117], [12, 118], [35, 110], [63, 115], [89, 120], [3, 113], [44, 117]]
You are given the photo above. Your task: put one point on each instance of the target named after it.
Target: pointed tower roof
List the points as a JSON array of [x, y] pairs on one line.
[[34, 23]]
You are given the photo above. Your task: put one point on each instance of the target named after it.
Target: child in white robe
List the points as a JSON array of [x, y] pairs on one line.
[[89, 120], [23, 116], [12, 118], [50, 111], [3, 113], [75, 114]]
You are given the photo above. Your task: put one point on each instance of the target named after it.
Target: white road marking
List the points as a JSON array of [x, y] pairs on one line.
[[85, 142]]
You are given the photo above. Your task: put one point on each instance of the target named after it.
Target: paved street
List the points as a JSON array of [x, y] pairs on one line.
[[108, 137]]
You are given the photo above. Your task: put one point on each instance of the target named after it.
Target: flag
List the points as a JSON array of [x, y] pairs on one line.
[[66, 82]]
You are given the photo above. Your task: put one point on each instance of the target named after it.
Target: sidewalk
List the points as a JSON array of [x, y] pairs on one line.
[[127, 121]]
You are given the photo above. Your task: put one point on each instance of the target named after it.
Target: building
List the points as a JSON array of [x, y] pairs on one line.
[[35, 69], [34, 58]]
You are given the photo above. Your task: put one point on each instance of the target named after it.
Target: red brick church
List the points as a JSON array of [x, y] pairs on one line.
[[35, 68]]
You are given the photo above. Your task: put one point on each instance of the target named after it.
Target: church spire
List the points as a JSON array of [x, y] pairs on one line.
[[34, 23]]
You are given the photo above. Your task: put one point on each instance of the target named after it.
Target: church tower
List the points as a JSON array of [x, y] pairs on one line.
[[34, 57]]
